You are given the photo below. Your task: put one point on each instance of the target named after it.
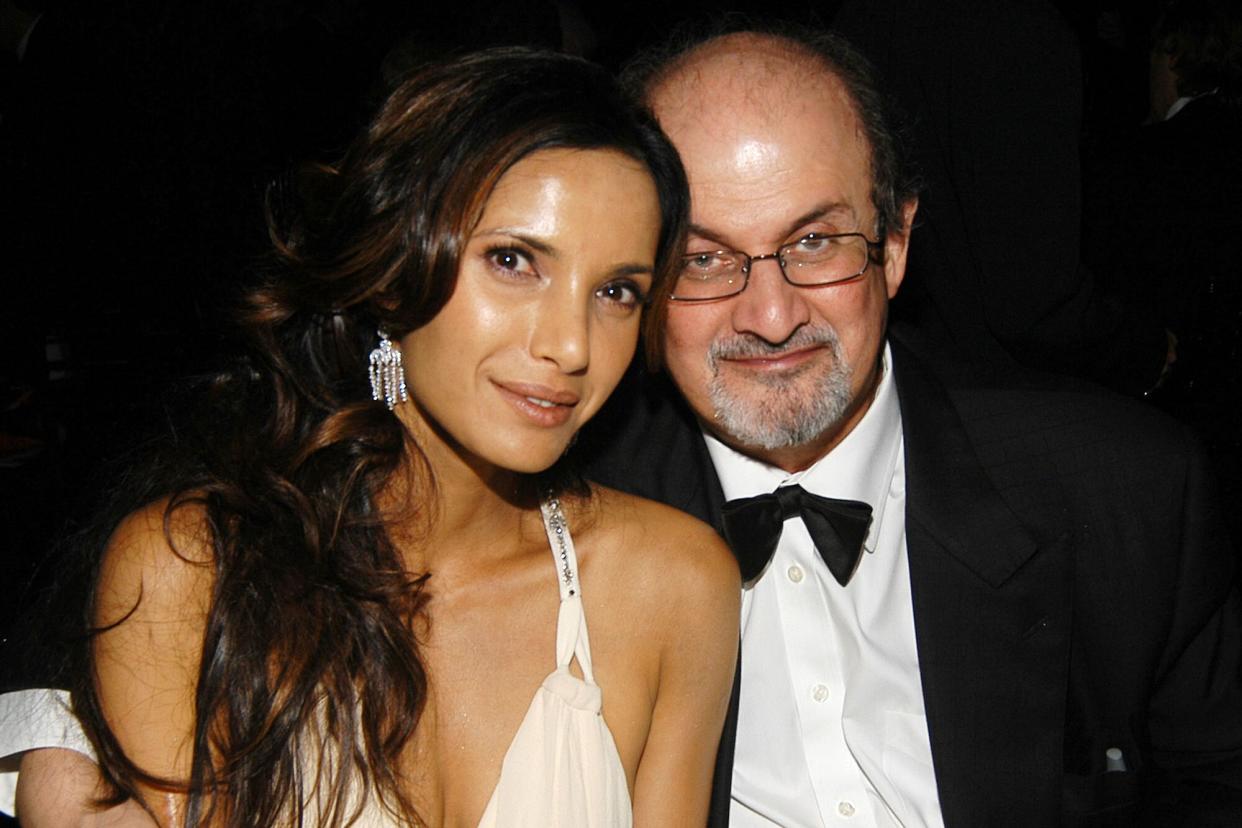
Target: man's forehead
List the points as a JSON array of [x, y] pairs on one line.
[[764, 138]]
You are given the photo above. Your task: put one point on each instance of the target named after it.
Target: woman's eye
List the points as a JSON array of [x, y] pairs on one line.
[[511, 260], [625, 295]]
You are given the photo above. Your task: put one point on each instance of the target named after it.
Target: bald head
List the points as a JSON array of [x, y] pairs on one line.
[[742, 69], [752, 125], [735, 69], [779, 73], [751, 121]]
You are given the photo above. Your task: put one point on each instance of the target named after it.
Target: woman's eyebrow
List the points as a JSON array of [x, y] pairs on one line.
[[542, 246], [633, 269], [533, 242]]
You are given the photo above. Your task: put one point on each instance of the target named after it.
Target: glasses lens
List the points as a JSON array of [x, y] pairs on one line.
[[821, 259], [709, 276]]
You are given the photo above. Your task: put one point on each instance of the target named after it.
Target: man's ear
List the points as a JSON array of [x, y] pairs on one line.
[[896, 246]]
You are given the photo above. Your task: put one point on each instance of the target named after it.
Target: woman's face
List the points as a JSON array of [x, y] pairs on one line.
[[545, 315]]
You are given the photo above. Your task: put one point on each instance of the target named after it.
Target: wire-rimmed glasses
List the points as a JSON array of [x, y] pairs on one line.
[[815, 260]]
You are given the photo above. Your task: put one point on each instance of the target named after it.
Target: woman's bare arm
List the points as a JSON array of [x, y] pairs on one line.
[[699, 605], [152, 603]]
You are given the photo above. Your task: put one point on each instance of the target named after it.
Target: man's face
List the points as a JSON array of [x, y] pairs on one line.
[[773, 154]]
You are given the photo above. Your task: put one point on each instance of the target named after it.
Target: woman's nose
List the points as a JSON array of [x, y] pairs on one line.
[[562, 331]]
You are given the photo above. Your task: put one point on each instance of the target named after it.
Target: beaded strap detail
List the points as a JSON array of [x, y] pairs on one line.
[[556, 519]]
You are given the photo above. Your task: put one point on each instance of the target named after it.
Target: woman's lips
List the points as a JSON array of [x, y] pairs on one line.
[[540, 404]]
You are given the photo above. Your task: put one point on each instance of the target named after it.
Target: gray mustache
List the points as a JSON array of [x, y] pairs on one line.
[[744, 346]]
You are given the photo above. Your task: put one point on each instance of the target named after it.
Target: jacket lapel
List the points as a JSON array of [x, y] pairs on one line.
[[992, 604]]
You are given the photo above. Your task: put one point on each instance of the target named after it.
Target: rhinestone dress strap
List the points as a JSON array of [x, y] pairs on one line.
[[572, 640], [562, 547]]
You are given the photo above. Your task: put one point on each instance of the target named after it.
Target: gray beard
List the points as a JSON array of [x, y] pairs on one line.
[[776, 412]]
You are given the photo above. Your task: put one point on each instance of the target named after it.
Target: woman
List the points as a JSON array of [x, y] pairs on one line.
[[344, 603]]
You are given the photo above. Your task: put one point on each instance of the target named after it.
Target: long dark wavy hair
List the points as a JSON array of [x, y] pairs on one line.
[[309, 639]]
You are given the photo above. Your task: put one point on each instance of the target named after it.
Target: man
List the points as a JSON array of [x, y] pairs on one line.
[[1038, 630]]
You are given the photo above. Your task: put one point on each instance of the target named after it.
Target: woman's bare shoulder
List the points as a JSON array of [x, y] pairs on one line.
[[157, 561], [661, 548]]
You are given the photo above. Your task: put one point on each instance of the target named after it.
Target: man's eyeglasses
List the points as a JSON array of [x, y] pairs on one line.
[[815, 260]]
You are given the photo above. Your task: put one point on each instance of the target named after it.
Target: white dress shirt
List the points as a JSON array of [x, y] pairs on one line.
[[831, 725], [1181, 102]]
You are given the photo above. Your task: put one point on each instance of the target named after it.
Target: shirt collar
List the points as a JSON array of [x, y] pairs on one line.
[[860, 467], [1181, 102]]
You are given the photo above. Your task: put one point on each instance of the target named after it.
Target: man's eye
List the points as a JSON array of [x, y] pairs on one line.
[[813, 243], [705, 264]]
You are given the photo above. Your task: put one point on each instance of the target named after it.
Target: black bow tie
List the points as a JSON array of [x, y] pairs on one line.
[[752, 526]]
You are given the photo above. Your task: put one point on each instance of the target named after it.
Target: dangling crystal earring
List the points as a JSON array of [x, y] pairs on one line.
[[387, 374]]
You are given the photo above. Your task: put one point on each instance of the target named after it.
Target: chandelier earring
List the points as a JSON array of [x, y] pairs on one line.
[[387, 373]]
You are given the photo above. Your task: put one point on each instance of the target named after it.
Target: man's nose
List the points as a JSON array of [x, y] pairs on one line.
[[562, 331], [770, 307]]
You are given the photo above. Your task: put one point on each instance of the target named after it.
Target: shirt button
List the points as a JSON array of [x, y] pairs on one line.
[[845, 809], [795, 573], [819, 692]]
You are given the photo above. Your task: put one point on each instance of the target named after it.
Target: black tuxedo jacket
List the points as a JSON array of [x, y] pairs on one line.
[[1071, 590]]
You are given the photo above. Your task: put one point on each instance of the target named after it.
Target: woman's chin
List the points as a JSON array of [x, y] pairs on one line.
[[523, 457]]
